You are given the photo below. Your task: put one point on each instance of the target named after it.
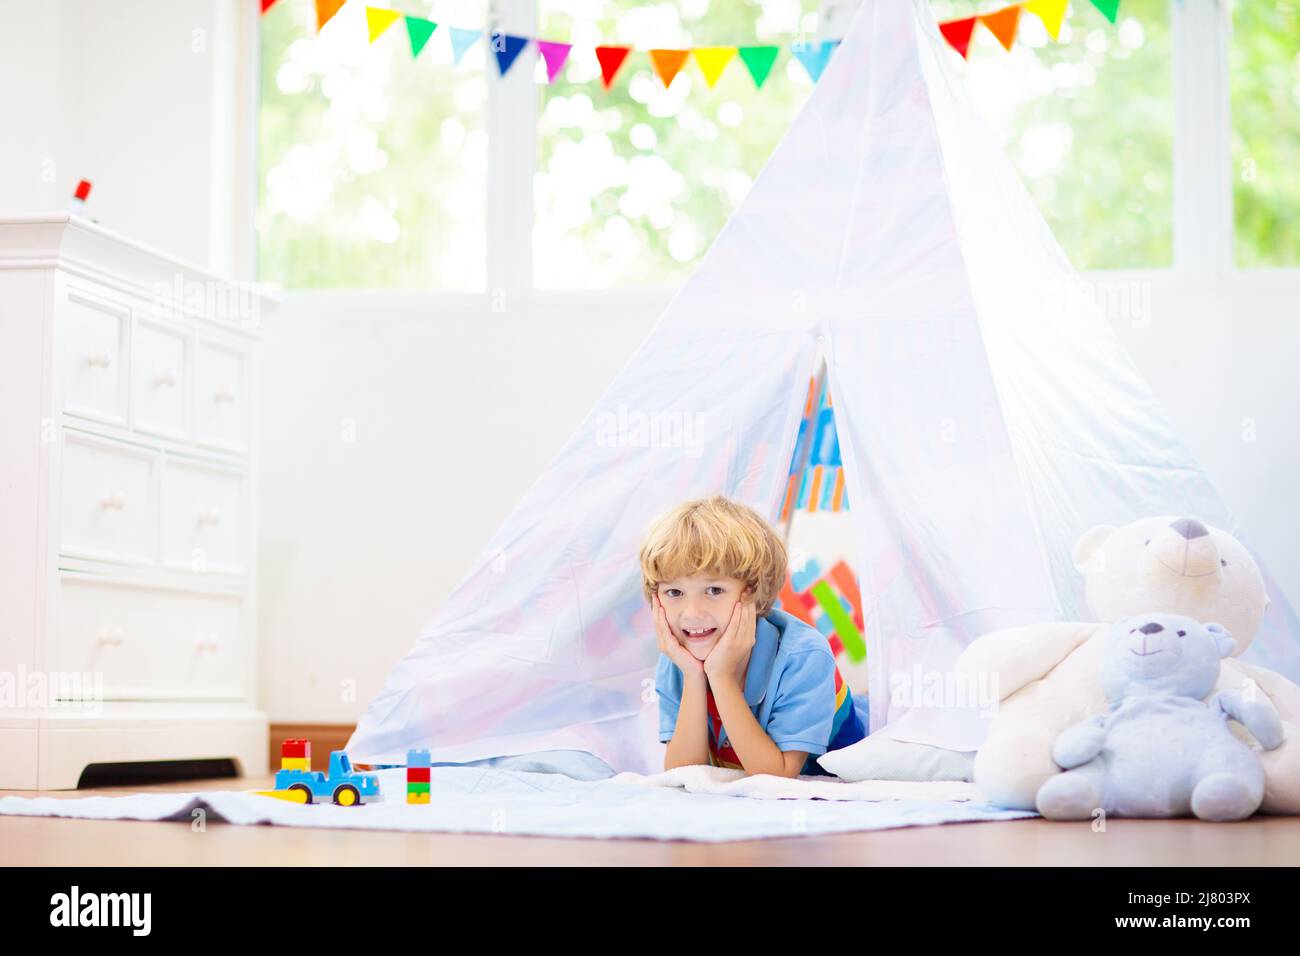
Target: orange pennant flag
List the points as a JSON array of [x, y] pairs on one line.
[[1002, 24], [713, 60], [325, 10], [1051, 12], [667, 63], [611, 58]]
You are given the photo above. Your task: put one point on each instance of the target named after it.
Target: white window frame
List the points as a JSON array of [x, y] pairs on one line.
[[1203, 223]]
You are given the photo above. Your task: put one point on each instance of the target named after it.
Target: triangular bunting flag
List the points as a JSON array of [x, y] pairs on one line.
[[713, 60], [611, 58], [1108, 8], [758, 60], [814, 56], [1051, 12], [378, 20], [957, 33], [267, 5], [325, 10], [667, 63], [419, 30], [554, 54], [462, 40], [1002, 24], [507, 46]]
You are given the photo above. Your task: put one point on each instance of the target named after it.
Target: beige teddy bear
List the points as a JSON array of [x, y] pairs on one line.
[[1048, 674]]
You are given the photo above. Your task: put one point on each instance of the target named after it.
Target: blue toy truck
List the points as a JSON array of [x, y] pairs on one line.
[[345, 786]]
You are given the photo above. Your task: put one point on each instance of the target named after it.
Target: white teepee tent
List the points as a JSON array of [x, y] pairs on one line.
[[987, 415]]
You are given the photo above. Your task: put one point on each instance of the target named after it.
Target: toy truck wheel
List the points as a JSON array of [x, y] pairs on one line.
[[347, 796], [304, 790]]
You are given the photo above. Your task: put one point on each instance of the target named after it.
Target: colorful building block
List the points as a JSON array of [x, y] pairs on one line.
[[296, 747]]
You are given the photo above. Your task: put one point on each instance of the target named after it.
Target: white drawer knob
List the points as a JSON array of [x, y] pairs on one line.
[[113, 501], [111, 636], [99, 359], [226, 393], [164, 376], [207, 643], [212, 516]]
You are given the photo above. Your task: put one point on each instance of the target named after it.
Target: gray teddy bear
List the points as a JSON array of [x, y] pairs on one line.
[[1162, 750]]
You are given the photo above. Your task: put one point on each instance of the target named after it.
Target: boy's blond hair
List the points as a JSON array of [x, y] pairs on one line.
[[717, 536]]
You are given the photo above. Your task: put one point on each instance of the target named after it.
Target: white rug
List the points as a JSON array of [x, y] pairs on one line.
[[705, 804]]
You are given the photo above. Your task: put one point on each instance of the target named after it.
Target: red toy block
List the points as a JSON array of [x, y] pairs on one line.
[[296, 747], [417, 774]]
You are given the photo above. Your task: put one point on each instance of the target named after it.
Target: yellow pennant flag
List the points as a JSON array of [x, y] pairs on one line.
[[378, 20], [1051, 12], [713, 60]]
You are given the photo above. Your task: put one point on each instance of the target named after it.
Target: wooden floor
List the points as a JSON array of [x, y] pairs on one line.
[[1261, 841]]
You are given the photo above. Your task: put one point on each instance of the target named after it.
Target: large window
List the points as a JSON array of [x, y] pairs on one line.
[[1088, 122], [1265, 66], [633, 184], [373, 165]]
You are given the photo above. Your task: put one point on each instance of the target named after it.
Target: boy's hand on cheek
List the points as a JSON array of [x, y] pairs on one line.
[[668, 643], [729, 657]]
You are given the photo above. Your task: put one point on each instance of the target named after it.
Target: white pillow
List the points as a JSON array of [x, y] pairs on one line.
[[879, 757]]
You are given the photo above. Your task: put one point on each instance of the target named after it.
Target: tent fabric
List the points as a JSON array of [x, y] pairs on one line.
[[987, 415]]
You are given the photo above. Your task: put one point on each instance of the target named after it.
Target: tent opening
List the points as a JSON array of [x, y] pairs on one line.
[[821, 586]]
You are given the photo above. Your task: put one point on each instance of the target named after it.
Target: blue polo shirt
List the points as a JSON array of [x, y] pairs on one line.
[[792, 686]]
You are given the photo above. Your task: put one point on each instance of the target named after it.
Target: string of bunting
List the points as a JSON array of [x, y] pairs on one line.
[[712, 60], [1005, 23]]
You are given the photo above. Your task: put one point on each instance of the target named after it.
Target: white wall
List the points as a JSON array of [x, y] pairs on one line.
[[456, 413], [136, 96], [393, 442]]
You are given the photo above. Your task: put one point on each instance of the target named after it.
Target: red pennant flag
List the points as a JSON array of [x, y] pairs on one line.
[[957, 33], [267, 5], [325, 10], [1002, 24], [611, 58]]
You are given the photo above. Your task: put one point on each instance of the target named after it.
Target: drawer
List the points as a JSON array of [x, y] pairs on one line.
[[203, 518], [221, 396], [108, 503], [92, 334], [150, 644], [159, 379]]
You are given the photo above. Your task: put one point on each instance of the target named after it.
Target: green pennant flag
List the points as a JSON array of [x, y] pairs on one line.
[[1108, 8], [759, 60], [419, 30]]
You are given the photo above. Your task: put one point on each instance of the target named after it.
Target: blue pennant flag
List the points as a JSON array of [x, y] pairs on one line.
[[814, 56], [462, 40], [507, 46]]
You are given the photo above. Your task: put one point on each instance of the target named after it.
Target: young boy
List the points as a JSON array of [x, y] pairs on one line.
[[740, 684]]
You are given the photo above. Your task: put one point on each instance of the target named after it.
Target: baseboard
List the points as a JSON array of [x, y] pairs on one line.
[[324, 739]]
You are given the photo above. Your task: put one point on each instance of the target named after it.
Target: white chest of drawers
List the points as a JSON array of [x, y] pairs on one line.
[[127, 618]]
